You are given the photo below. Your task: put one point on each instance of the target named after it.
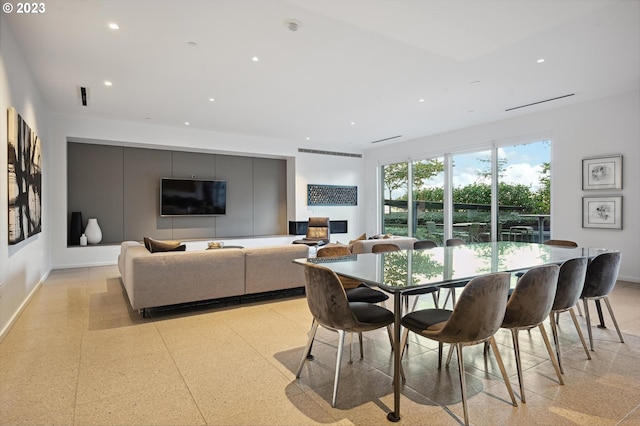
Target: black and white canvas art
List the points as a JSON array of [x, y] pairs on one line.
[[24, 179]]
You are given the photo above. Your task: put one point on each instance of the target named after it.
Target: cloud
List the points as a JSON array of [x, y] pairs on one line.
[[523, 173]]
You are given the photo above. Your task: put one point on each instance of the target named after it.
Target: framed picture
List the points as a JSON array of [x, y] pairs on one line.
[[602, 173], [602, 212]]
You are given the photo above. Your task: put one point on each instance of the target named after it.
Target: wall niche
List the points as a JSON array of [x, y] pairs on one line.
[[120, 186]]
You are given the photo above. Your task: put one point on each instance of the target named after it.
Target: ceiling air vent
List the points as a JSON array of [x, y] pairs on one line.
[[387, 139], [540, 102], [339, 154], [83, 95]]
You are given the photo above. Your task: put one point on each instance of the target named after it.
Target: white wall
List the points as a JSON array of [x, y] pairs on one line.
[[605, 126], [24, 265], [302, 169]]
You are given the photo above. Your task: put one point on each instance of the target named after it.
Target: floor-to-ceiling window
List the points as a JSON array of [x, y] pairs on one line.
[[428, 199], [500, 193], [472, 174], [524, 192], [395, 209]]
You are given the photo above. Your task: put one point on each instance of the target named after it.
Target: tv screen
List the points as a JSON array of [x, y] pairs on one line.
[[192, 197]]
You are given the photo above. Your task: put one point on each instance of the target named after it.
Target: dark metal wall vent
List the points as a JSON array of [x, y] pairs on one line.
[[338, 154], [83, 94], [387, 139], [540, 102]]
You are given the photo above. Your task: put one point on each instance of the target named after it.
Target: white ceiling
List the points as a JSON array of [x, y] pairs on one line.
[[363, 61]]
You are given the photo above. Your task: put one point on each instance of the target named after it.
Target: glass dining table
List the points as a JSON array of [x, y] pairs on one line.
[[401, 271]]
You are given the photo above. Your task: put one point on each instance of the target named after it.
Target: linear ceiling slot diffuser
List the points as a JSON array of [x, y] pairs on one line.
[[339, 154], [540, 102], [387, 139]]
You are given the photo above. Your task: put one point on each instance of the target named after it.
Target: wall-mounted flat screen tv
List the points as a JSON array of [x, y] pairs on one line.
[[192, 197]]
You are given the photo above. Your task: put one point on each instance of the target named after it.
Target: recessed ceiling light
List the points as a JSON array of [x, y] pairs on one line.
[[420, 100], [186, 123], [108, 83], [308, 138], [353, 123], [211, 100], [474, 82], [114, 26], [255, 59], [541, 60], [192, 44]]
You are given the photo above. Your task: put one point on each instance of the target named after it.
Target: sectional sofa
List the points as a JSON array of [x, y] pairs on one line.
[[168, 278]]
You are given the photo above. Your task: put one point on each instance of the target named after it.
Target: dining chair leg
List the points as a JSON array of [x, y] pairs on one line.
[[516, 349], [449, 356], [390, 333], [575, 322], [403, 341], [505, 377], [307, 348], [588, 318], [463, 382], [613, 318], [341, 335], [556, 340], [361, 346], [551, 355], [440, 345]]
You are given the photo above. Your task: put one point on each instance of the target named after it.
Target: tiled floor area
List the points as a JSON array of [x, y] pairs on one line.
[[79, 355]]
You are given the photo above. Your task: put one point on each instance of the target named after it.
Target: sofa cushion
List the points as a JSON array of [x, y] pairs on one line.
[[156, 246], [361, 237]]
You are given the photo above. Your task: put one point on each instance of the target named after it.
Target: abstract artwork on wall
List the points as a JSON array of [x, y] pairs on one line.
[[24, 179], [332, 195]]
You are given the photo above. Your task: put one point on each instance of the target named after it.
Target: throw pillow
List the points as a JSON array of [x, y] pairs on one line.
[[361, 237], [156, 246]]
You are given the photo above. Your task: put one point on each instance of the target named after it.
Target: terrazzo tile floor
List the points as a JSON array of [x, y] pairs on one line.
[[78, 354]]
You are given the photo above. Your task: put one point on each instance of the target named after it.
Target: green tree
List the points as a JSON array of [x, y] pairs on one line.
[[543, 195], [396, 175]]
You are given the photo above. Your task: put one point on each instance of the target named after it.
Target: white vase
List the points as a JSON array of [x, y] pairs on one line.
[[93, 231], [83, 240]]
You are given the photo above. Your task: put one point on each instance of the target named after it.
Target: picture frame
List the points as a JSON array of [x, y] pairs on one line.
[[602, 212], [602, 173]]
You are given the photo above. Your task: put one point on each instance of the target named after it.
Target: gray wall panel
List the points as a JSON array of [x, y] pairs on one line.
[[188, 165], [238, 172], [143, 169], [269, 196], [95, 187]]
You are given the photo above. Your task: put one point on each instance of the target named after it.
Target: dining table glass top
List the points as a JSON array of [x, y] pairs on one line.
[[406, 269]]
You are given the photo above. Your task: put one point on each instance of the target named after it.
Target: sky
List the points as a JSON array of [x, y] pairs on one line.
[[524, 164]]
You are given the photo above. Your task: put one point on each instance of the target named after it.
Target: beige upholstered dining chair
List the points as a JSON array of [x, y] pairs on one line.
[[475, 319], [561, 243], [330, 308], [602, 273], [452, 242], [529, 305], [356, 291], [384, 247], [570, 284], [424, 244]]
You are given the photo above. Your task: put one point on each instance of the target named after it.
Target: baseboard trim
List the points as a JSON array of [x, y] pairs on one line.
[[16, 315]]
